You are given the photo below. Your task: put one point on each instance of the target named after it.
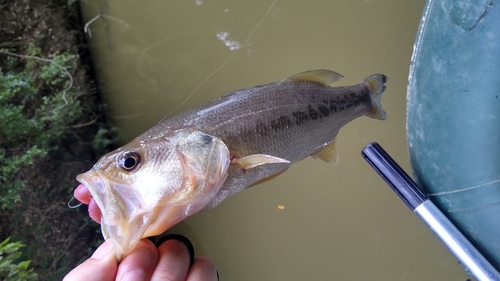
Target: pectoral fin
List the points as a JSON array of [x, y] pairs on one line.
[[255, 160], [328, 153]]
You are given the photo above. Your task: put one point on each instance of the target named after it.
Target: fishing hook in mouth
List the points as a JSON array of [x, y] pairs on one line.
[[74, 206]]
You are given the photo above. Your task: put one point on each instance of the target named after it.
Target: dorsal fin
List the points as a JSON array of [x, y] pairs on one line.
[[328, 153], [323, 76]]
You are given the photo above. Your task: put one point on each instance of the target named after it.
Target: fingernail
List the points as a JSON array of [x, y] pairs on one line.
[[182, 239], [103, 251], [134, 275]]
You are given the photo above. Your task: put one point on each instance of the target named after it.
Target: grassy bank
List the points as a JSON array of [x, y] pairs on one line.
[[51, 129]]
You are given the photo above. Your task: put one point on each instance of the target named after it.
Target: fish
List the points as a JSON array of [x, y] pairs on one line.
[[195, 160]]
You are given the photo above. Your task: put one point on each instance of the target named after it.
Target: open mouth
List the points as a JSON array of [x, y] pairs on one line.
[[121, 219], [82, 194], [87, 193]]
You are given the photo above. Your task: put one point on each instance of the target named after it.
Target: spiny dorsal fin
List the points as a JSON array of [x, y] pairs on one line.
[[323, 76], [328, 153]]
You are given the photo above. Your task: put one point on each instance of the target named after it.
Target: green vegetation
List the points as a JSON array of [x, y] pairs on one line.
[[51, 129], [9, 270], [32, 122]]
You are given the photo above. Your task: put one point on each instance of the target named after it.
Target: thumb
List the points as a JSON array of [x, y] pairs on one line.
[[101, 266]]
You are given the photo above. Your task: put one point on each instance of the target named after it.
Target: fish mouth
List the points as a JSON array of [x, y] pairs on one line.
[[121, 220], [98, 188], [94, 186]]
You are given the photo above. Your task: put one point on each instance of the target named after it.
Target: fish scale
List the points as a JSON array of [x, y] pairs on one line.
[[296, 124], [198, 158], [293, 112]]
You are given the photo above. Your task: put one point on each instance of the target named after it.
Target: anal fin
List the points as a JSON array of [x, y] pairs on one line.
[[328, 153]]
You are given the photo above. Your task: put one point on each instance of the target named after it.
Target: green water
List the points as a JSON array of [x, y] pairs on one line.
[[339, 222]]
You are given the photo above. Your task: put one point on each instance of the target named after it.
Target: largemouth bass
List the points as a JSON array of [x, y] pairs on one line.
[[197, 159]]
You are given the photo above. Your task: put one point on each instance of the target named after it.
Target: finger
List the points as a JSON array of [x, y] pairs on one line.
[[181, 238], [203, 269], [173, 263], [101, 266], [139, 264]]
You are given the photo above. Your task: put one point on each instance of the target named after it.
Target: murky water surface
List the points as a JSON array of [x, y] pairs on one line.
[[317, 221]]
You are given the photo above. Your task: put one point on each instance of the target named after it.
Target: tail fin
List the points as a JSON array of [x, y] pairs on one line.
[[375, 84]]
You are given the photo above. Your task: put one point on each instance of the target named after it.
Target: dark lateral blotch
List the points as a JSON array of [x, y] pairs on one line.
[[314, 115], [324, 110], [281, 123], [300, 117]]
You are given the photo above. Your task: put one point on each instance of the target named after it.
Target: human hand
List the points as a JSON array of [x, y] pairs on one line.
[[172, 260]]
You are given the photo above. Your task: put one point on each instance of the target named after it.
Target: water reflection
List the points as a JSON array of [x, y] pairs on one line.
[[233, 45]]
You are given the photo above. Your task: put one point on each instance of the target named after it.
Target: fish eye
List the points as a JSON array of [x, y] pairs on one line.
[[206, 139], [129, 160]]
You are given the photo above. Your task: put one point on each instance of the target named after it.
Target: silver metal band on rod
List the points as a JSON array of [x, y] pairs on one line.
[[465, 252], [419, 202]]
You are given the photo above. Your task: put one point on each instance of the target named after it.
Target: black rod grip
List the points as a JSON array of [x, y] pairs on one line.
[[392, 173]]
